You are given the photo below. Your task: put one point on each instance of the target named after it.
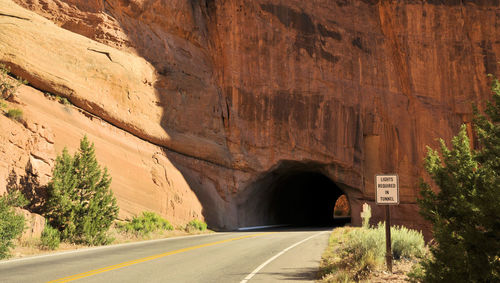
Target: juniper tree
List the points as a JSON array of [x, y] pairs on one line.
[[465, 213], [80, 203]]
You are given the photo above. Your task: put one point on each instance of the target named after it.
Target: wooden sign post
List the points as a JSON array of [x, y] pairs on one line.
[[387, 193]]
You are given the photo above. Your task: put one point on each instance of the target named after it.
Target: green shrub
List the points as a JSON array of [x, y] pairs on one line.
[[11, 227], [50, 238], [352, 254], [2, 104], [63, 100], [465, 211], [417, 273], [362, 250], [55, 97], [406, 243], [362, 241], [16, 198], [80, 204], [7, 87], [146, 223], [196, 225], [15, 114]]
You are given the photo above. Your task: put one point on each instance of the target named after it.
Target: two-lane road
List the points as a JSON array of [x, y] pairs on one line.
[[260, 256]]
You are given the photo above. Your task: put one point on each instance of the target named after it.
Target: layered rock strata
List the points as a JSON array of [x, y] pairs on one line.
[[232, 89]]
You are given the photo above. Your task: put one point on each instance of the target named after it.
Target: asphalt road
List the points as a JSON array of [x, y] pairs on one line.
[[253, 256]]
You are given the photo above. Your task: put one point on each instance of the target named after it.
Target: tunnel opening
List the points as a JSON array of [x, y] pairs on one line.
[[293, 194], [342, 208]]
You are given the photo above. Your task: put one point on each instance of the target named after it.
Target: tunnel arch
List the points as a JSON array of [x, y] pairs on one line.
[[293, 193]]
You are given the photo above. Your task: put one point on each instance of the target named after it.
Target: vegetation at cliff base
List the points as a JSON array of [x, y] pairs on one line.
[[50, 238], [11, 226], [80, 204], [196, 225], [145, 224], [465, 213]]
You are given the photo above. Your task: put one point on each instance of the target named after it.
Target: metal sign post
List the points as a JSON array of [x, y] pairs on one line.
[[388, 251], [387, 193]]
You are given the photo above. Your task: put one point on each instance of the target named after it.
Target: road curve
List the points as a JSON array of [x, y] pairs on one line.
[[250, 256]]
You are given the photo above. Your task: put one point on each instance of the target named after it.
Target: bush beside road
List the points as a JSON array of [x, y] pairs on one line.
[[358, 254]]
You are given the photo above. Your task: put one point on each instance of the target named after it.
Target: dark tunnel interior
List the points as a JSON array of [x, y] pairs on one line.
[[303, 199], [291, 195]]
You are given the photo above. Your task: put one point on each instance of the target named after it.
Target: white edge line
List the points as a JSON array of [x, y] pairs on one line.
[[255, 271], [102, 248], [261, 227]]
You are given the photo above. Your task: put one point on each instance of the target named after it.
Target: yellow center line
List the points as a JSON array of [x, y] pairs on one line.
[[136, 261]]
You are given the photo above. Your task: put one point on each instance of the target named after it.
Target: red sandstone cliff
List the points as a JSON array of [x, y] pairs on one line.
[[232, 89]]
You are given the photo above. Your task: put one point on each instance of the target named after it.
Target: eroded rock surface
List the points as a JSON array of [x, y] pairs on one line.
[[25, 149], [232, 89], [143, 178]]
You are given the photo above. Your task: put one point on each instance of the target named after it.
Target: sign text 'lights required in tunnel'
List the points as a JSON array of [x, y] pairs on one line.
[[387, 189]]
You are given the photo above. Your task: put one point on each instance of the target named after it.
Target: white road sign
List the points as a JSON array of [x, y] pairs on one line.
[[387, 189]]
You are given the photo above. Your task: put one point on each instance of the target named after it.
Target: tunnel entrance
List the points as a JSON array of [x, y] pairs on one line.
[[304, 198], [293, 194]]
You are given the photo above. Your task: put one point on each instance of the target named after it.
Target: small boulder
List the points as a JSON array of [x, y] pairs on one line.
[[34, 223]]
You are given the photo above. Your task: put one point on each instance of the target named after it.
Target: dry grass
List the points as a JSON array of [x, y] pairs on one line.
[[343, 263], [121, 237], [31, 247]]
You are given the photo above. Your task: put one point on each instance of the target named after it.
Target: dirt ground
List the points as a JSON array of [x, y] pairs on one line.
[[30, 247], [399, 270]]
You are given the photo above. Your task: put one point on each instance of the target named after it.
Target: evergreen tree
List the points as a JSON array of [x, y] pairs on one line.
[[465, 213], [11, 226], [80, 203]]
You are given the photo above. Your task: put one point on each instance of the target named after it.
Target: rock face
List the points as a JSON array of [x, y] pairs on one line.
[[143, 179], [25, 150], [35, 223], [243, 96]]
